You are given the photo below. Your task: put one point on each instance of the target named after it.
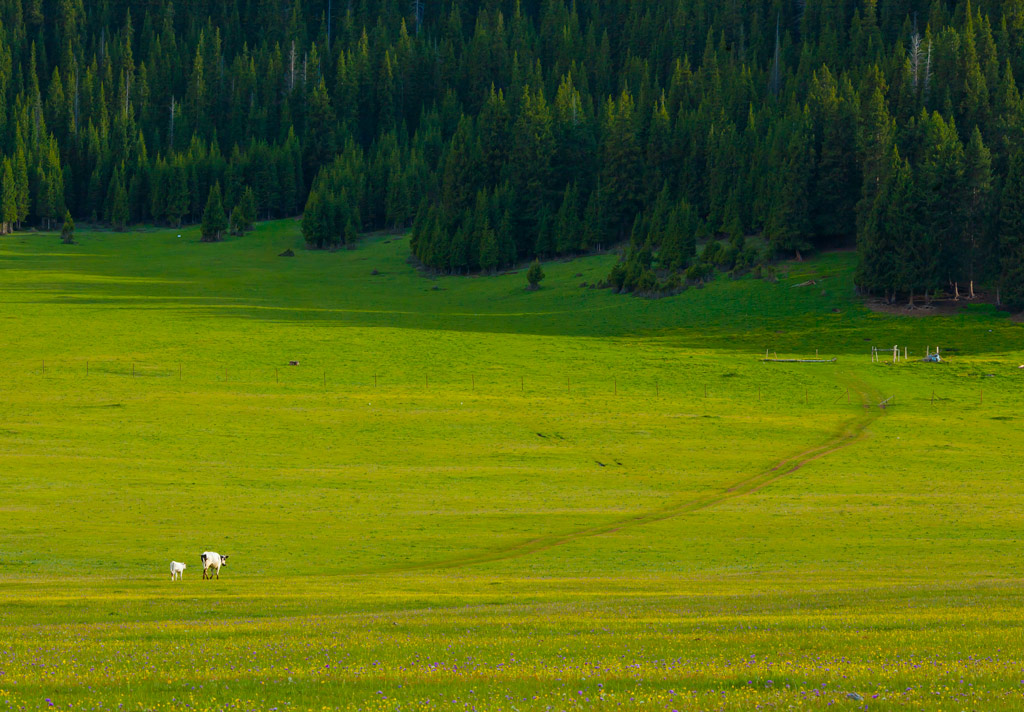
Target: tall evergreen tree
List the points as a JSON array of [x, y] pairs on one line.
[[529, 168], [119, 211], [621, 165], [978, 228], [940, 175], [67, 232], [8, 199], [316, 223], [789, 220], [246, 210], [1011, 235], [215, 222]]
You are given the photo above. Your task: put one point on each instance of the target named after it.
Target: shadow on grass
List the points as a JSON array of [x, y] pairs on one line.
[[375, 286]]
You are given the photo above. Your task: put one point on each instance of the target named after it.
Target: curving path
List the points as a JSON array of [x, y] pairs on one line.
[[852, 431]]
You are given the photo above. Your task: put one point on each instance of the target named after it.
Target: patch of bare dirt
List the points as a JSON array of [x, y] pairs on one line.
[[945, 306]]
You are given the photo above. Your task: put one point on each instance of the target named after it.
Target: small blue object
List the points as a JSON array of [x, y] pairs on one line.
[[932, 358]]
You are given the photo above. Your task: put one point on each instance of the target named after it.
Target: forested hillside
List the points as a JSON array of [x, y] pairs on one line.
[[503, 130]]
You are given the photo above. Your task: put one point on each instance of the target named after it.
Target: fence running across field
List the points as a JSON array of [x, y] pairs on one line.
[[715, 386]]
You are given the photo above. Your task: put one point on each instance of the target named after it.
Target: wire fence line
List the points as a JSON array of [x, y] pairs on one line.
[[316, 378]]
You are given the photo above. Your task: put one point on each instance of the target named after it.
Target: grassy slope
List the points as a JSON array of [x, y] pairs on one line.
[[515, 454]]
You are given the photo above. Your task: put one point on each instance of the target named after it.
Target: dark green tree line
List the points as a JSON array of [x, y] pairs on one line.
[[503, 130]]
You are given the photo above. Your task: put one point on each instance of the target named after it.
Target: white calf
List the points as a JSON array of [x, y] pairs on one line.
[[213, 560], [176, 569]]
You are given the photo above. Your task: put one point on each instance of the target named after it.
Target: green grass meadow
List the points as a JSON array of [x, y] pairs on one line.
[[471, 496]]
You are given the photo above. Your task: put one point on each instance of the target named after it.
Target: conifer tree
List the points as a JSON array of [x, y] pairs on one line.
[[176, 195], [789, 224], [621, 171], [1011, 235], [594, 226], [215, 222], [119, 211], [940, 174], [545, 245], [8, 199], [320, 133], [488, 250], [247, 209], [877, 241], [529, 169], [574, 160], [978, 228], [21, 181], [833, 197], [67, 232], [913, 268], [235, 222], [679, 245], [316, 225], [568, 226], [535, 275], [874, 144], [493, 134]]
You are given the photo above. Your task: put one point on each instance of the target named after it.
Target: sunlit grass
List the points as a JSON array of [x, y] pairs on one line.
[[479, 496]]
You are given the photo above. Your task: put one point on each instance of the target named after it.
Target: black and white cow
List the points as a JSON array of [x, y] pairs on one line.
[[213, 560]]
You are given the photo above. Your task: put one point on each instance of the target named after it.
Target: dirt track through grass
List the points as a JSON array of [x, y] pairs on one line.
[[852, 431]]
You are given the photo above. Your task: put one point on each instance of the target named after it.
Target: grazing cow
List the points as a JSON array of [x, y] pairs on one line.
[[213, 560], [177, 568]]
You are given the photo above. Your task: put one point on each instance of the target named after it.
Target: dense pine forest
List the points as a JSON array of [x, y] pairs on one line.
[[503, 130]]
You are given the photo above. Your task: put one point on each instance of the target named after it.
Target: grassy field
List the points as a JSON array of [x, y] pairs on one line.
[[470, 496]]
